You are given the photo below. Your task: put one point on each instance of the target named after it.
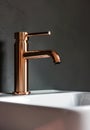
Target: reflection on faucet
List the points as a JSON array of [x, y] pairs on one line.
[[21, 57]]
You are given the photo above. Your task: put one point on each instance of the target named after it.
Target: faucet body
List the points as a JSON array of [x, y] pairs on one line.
[[21, 60]]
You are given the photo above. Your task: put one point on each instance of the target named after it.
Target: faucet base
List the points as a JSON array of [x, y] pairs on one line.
[[22, 93]]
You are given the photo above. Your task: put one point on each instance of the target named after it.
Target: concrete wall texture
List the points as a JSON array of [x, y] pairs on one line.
[[69, 22]]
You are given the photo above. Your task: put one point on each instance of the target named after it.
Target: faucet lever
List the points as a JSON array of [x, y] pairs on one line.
[[38, 34]]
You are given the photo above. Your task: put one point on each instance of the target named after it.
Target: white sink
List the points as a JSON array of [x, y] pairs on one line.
[[47, 111]]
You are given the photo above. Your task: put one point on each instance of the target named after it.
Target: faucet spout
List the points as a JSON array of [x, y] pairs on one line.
[[42, 54]]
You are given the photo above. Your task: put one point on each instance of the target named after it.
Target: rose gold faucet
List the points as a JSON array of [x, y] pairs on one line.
[[21, 58]]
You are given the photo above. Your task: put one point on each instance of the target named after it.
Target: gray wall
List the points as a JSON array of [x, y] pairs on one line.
[[69, 22]]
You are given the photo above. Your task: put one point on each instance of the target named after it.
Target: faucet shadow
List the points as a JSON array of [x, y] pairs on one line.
[[1, 64]]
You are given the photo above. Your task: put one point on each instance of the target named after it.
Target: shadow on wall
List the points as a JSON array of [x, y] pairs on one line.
[[1, 64]]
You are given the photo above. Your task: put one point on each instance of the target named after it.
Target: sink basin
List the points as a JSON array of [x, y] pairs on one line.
[[45, 111]]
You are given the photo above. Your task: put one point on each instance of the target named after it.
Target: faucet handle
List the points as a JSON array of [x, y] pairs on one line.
[[38, 34], [24, 35]]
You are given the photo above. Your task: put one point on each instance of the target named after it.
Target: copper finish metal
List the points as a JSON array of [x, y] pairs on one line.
[[21, 58]]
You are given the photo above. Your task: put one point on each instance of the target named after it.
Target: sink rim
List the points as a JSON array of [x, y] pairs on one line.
[[23, 99]]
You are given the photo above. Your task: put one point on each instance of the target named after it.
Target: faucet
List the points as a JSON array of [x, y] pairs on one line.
[[22, 54]]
